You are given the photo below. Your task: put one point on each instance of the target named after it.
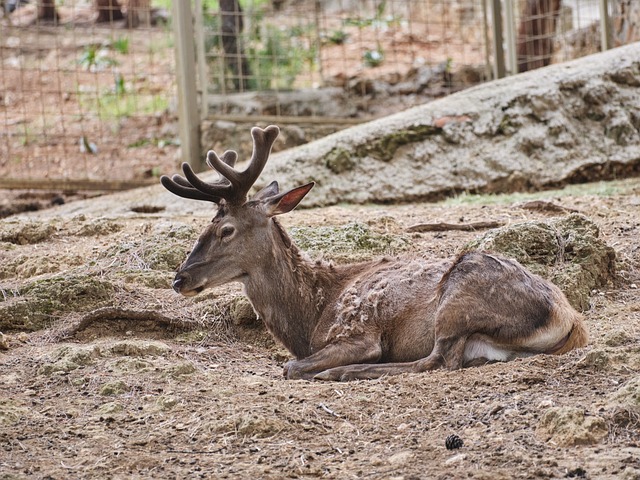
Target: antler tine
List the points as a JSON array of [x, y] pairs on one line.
[[223, 167], [229, 157], [180, 180], [262, 143], [178, 186], [217, 190]]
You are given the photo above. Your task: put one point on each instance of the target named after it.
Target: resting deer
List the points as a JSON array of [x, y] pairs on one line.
[[365, 320]]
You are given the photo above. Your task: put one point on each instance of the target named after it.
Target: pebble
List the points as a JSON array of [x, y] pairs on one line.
[[455, 459], [400, 458]]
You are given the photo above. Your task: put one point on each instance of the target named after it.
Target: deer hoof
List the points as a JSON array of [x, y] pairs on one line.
[[294, 371], [338, 374], [327, 376]]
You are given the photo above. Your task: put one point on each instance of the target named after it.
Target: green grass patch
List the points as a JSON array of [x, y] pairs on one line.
[[110, 105], [599, 189]]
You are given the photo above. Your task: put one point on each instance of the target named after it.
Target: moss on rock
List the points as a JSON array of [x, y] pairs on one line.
[[24, 233], [70, 357], [34, 308], [160, 247], [353, 241], [147, 278], [99, 227], [384, 148], [117, 387], [339, 160], [34, 264], [242, 313]]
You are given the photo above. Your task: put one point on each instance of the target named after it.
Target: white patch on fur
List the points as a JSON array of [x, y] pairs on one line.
[[544, 339], [479, 348]]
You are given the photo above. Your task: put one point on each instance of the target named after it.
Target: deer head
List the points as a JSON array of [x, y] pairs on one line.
[[232, 245]]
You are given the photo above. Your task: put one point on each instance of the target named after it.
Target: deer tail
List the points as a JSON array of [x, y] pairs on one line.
[[577, 337]]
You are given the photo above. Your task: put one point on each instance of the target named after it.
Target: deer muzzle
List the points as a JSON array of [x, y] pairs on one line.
[[180, 284]]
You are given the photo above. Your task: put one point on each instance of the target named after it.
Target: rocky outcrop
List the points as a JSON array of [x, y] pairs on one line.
[[566, 123]]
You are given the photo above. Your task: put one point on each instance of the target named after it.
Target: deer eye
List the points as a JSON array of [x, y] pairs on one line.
[[227, 231]]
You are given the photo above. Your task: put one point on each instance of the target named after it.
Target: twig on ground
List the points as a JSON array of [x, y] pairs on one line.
[[328, 410], [544, 206], [443, 227]]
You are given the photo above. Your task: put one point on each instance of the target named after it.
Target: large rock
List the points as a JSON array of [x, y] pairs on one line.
[[570, 426], [566, 123]]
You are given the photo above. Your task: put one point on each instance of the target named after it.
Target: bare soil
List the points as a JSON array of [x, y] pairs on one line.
[[178, 388]]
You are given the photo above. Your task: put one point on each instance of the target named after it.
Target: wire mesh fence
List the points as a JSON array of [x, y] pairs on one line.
[[88, 88], [410, 50], [82, 99]]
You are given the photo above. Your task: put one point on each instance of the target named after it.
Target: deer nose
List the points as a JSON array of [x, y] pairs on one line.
[[177, 284]]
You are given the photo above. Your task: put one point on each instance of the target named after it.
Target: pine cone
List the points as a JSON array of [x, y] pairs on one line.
[[453, 441]]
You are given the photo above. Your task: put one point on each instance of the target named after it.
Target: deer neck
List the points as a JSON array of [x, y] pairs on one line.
[[289, 291]]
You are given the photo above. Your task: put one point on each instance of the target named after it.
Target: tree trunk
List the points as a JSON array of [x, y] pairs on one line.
[[108, 11], [47, 10], [234, 56], [536, 32], [138, 11]]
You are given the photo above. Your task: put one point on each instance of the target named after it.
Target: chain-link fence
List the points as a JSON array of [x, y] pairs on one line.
[[88, 88]]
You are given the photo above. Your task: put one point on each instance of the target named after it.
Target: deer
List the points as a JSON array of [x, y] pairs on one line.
[[366, 320]]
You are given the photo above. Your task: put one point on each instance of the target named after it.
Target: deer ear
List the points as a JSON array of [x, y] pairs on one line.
[[287, 201], [270, 190]]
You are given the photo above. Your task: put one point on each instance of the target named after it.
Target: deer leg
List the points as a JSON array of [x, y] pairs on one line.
[[359, 350], [365, 371], [447, 352]]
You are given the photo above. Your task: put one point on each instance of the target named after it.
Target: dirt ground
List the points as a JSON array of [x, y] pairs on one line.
[[172, 387]]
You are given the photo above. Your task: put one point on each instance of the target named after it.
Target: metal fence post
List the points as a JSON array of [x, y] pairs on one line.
[[605, 25], [203, 76], [510, 30], [498, 49], [188, 118]]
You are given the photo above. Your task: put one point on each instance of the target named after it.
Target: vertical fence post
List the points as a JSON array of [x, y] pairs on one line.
[[188, 119], [510, 30], [605, 25], [498, 50], [203, 77]]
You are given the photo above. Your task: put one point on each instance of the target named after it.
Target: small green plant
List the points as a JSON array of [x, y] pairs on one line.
[[121, 45], [448, 66], [338, 37], [272, 55], [26, 137], [277, 56], [95, 57], [378, 21], [158, 142], [373, 58], [119, 87]]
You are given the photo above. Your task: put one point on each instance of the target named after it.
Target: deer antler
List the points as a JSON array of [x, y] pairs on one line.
[[234, 185]]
